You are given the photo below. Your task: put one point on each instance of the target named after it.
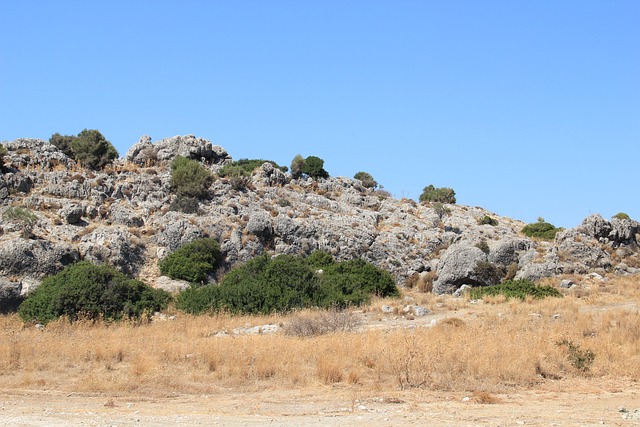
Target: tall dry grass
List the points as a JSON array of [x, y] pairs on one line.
[[492, 347]]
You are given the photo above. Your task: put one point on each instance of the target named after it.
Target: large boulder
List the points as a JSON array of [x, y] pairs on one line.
[[623, 231], [34, 258], [457, 267], [176, 231], [507, 251], [113, 246]]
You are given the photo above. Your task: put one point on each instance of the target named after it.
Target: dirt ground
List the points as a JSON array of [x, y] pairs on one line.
[[572, 403]]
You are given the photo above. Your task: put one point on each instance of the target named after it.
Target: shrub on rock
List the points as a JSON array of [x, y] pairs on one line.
[[442, 195], [90, 148], [87, 291], [189, 179], [541, 229]]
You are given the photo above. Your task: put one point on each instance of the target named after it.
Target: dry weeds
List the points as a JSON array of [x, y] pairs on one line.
[[492, 347]]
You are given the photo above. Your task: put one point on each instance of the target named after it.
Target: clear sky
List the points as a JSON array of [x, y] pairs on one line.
[[526, 108]]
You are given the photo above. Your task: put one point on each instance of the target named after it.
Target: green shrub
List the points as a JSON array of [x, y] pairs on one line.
[[621, 215], [87, 291], [541, 229], [487, 220], [63, 142], [314, 167], [245, 167], [442, 195], [90, 148], [22, 217], [286, 282], [367, 179], [515, 289], [193, 261], [189, 178]]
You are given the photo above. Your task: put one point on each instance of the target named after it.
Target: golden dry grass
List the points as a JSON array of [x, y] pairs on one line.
[[484, 348]]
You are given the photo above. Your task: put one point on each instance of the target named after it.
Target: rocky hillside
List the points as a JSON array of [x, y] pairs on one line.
[[121, 216]]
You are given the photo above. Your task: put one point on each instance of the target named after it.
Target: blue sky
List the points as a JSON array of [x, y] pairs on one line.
[[526, 108]]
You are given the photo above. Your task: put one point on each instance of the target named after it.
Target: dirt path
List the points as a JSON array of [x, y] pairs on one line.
[[587, 403]]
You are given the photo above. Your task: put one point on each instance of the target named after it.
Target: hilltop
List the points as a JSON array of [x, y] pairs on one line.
[[123, 215]]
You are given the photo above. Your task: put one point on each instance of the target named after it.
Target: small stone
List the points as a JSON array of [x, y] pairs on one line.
[[567, 284]]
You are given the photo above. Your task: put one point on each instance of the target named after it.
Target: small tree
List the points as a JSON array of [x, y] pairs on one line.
[[441, 210], [92, 150], [442, 195], [541, 229], [314, 167], [297, 166], [367, 179], [22, 217]]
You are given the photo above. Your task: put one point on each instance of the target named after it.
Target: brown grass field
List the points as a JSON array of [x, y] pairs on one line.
[[486, 361]]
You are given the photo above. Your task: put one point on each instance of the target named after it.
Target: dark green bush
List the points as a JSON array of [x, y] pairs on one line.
[[286, 282], [90, 148], [515, 289], [314, 167], [193, 261], [487, 220], [442, 195], [541, 229], [189, 178], [87, 291], [367, 179], [487, 273], [621, 215]]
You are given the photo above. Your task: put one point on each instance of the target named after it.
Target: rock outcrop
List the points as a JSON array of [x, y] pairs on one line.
[[121, 217]]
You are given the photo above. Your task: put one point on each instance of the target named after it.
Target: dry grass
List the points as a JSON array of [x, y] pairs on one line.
[[489, 347]]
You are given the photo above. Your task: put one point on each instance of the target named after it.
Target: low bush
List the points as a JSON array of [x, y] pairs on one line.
[[621, 215], [487, 220], [87, 291], [189, 178], [192, 262], [442, 195], [3, 152], [515, 289], [541, 230], [287, 282]]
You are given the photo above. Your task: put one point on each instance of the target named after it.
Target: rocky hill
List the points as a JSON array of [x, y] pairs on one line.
[[121, 216]]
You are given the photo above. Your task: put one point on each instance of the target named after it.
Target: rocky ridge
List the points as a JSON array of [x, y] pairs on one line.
[[121, 216]]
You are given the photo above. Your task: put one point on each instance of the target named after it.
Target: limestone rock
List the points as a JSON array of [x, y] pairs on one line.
[[10, 296], [457, 267], [71, 214], [34, 258], [114, 246], [170, 285]]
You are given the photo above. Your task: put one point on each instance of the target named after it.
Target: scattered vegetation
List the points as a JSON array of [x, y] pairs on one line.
[[287, 282], [442, 195], [367, 179], [245, 167], [487, 220], [87, 291], [541, 230], [89, 148], [579, 358], [483, 246], [22, 217], [309, 324], [192, 262], [515, 289], [487, 273]]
